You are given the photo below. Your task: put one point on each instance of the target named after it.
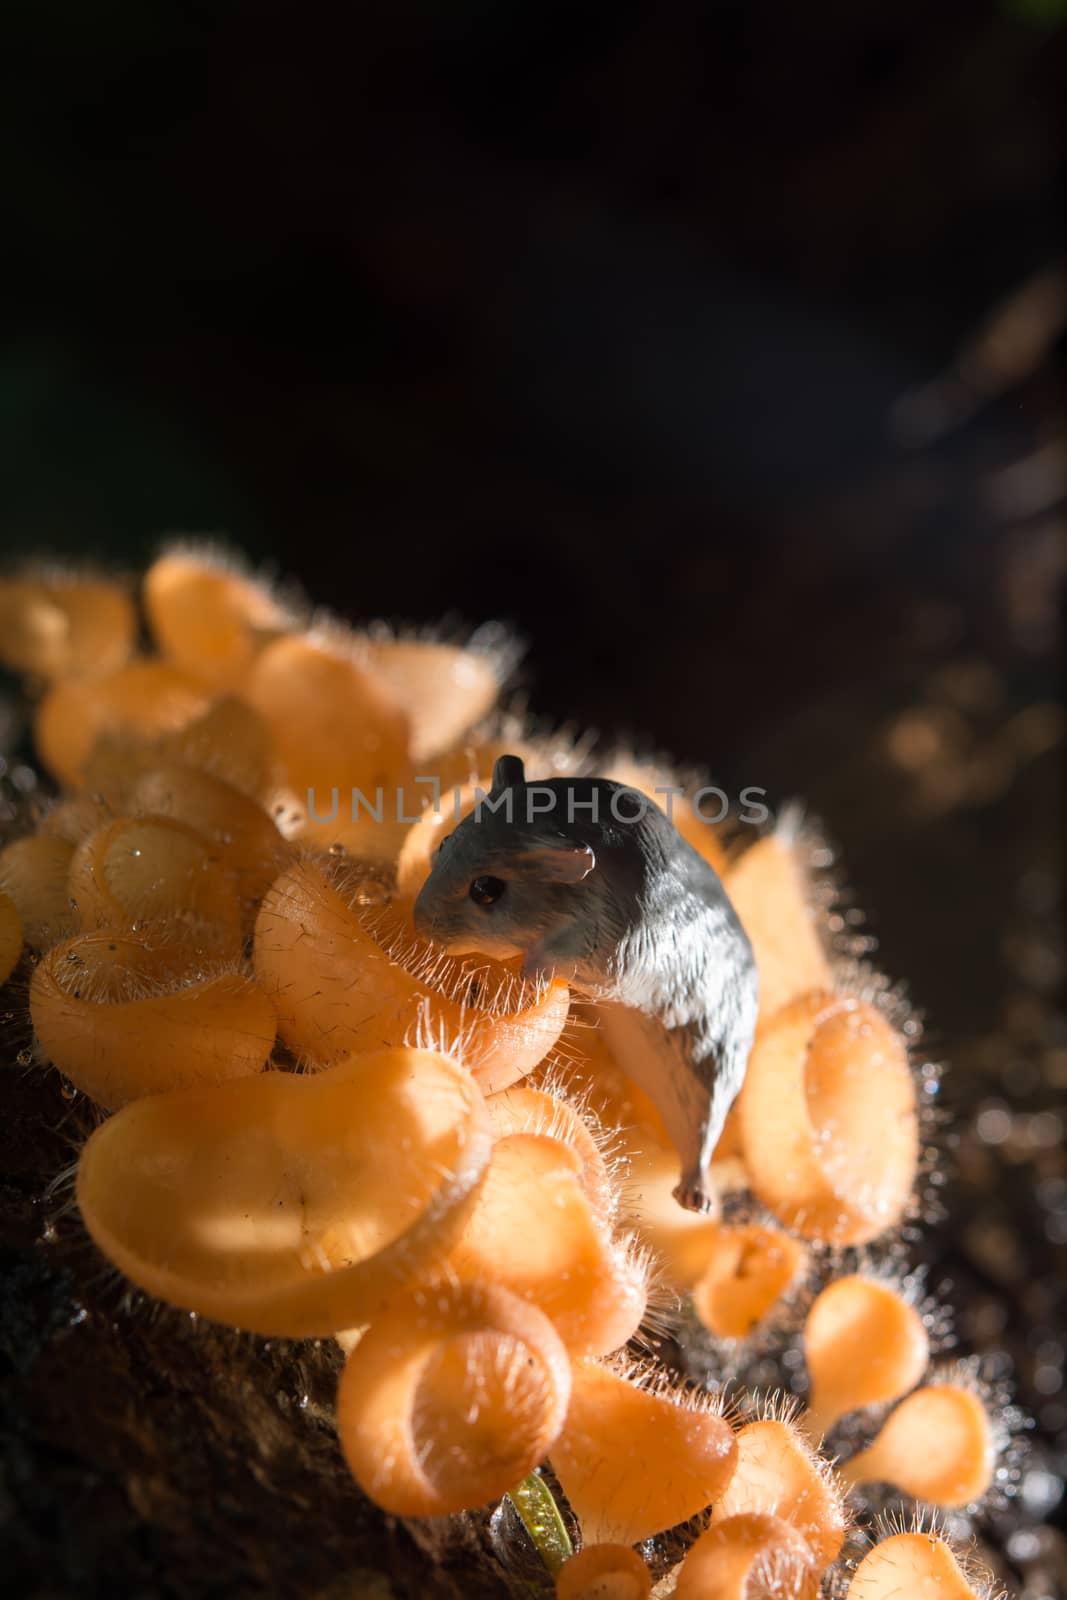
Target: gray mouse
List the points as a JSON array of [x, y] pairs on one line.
[[589, 881]]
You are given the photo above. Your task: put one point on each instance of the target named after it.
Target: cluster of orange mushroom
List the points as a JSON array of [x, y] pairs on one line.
[[319, 1126]]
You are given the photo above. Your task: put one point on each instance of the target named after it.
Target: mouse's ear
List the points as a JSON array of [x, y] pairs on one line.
[[508, 773], [553, 858]]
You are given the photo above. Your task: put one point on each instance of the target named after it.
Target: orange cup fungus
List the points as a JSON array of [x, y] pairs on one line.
[[452, 1396], [936, 1446], [74, 818], [35, 875], [228, 740], [334, 723], [637, 1457], [684, 1242], [244, 836], [778, 1474], [523, 1109], [736, 1274], [604, 1572], [336, 988], [136, 873], [584, 1068], [918, 1565], [207, 616], [747, 1270], [444, 688], [534, 1231], [122, 1018], [55, 626], [285, 1204], [749, 1556], [829, 1121], [770, 895], [864, 1345], [141, 700]]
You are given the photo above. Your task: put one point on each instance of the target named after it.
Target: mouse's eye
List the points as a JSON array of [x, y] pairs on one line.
[[487, 891]]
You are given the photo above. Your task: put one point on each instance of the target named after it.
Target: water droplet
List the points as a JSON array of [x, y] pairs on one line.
[[993, 1123], [1042, 1491], [24, 1058], [372, 893], [68, 1091]]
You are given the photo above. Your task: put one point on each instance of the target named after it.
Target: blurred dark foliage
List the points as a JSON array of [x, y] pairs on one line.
[[713, 344]]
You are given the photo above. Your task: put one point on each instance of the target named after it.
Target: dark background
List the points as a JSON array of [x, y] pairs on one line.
[[664, 332], [593, 318]]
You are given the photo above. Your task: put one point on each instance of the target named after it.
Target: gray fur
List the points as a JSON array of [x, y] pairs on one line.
[[622, 907]]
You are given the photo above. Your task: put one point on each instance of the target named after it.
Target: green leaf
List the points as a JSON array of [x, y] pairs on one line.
[[540, 1516]]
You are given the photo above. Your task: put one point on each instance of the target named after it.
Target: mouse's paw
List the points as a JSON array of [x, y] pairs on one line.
[[691, 1195]]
